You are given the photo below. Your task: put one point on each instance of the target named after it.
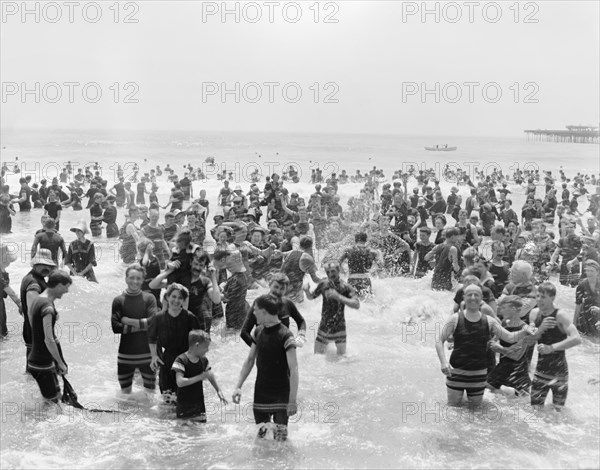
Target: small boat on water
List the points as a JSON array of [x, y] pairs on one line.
[[445, 148]]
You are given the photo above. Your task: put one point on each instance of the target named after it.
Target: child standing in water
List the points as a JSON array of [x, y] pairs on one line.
[[190, 369], [274, 350], [556, 333]]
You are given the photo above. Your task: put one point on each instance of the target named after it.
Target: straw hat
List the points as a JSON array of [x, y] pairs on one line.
[[81, 225], [258, 228], [251, 213], [43, 256]]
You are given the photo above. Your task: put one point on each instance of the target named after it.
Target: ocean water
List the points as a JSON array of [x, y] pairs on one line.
[[382, 406], [45, 152]]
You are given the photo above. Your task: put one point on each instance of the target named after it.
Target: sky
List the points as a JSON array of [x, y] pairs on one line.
[[373, 67]]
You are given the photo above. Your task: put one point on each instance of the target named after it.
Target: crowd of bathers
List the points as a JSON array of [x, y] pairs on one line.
[[272, 237]]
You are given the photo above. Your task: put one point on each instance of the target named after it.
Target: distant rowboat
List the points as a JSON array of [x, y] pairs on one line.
[[441, 149]]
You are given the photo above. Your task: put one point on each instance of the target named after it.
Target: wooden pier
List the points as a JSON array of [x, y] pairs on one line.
[[572, 134]]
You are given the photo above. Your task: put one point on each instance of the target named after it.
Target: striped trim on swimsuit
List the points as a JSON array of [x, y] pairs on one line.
[[338, 337], [551, 379], [134, 359], [465, 379], [41, 368], [269, 407]]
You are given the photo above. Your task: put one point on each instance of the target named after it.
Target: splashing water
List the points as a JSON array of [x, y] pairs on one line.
[[381, 406]]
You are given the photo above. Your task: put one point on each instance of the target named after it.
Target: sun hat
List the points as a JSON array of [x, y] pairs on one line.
[[43, 256], [81, 225]]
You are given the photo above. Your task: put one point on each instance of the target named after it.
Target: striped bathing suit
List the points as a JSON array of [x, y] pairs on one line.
[[333, 321], [32, 282], [469, 356], [134, 352], [40, 363]]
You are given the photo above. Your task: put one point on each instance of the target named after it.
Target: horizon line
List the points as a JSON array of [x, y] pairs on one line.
[[336, 133]]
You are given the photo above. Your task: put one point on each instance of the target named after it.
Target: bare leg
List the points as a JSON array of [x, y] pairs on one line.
[[341, 348], [475, 401], [454, 397], [320, 347]]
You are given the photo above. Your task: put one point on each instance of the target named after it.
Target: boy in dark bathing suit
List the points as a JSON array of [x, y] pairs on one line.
[[276, 387], [513, 368], [190, 369], [555, 334]]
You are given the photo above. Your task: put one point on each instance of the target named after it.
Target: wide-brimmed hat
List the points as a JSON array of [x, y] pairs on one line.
[[43, 256], [250, 213], [81, 225], [224, 228], [260, 229], [592, 264]]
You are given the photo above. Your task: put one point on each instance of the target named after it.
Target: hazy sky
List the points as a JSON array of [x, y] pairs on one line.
[[380, 61]]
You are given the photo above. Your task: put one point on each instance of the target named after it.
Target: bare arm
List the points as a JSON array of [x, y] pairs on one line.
[[505, 335], [11, 293], [31, 296], [247, 367], [351, 301], [447, 331], [285, 207], [294, 376], [476, 239], [454, 258], [214, 293], [186, 382], [310, 295], [213, 381], [156, 361], [34, 248], [572, 339], [555, 255], [488, 309], [63, 248], [157, 281], [51, 343], [433, 252], [577, 313], [295, 243]]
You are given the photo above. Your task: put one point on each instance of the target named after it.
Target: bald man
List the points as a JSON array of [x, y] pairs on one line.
[[467, 369]]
